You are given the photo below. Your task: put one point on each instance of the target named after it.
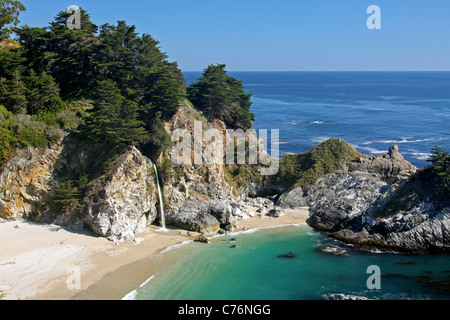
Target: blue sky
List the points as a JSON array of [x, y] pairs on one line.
[[282, 35]]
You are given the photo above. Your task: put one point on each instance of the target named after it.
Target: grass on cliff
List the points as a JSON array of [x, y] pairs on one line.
[[303, 170], [429, 184], [19, 131]]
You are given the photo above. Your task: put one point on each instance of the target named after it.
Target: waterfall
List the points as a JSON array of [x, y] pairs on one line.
[[161, 204]]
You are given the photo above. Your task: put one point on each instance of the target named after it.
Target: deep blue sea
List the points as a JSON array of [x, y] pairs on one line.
[[369, 110]]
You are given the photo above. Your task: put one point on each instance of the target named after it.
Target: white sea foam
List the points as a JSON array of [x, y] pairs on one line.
[[343, 296], [421, 155], [253, 230], [132, 295], [317, 122], [370, 149], [403, 140], [319, 139], [176, 246]]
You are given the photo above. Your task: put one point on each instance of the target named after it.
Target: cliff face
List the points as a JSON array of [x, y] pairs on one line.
[[122, 200], [381, 201], [118, 204], [372, 204], [205, 197], [27, 181]]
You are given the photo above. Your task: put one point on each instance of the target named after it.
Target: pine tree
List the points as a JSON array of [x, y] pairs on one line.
[[440, 160], [13, 93], [165, 88], [222, 97], [114, 120], [69, 55], [43, 94]]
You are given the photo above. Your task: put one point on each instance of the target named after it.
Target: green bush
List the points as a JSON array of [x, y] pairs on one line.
[[68, 195], [18, 131], [302, 170]]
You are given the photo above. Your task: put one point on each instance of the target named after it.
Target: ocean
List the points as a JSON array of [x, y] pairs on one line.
[[253, 265], [369, 110]]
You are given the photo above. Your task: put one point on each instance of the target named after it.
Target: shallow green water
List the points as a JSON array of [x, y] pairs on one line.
[[254, 270]]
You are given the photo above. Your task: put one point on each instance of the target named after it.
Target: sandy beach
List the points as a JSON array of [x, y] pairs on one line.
[[48, 262]]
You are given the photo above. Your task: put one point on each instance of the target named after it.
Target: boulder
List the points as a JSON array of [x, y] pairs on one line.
[[293, 199], [196, 216], [276, 212], [202, 239]]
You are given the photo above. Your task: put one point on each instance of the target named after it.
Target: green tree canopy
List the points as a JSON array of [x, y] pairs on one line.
[[114, 119], [9, 15], [13, 93], [221, 96], [440, 160]]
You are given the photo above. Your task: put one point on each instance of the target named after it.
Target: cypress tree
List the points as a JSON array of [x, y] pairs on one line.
[[222, 97], [114, 120], [14, 93], [43, 94]]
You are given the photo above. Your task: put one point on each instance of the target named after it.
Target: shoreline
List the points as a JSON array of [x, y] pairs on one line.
[[38, 261]]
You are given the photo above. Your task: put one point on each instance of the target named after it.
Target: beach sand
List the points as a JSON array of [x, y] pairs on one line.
[[43, 262]]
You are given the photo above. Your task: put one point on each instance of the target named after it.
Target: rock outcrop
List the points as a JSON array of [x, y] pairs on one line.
[[118, 205], [27, 180], [122, 203], [357, 207]]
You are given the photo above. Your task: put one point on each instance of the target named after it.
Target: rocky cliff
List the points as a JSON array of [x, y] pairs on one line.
[[370, 201], [121, 199], [380, 202], [117, 205]]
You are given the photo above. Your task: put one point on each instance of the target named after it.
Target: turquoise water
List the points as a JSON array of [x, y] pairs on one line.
[[254, 270], [371, 111]]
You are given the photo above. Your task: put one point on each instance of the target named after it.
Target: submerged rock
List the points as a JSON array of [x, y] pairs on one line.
[[290, 255]]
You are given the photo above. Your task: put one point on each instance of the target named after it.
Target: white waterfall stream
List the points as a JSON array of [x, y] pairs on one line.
[[161, 204]]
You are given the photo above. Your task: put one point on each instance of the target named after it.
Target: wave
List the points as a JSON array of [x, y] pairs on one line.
[[176, 246], [318, 140], [334, 250], [132, 295], [343, 296], [403, 140], [316, 122], [420, 155], [370, 149], [253, 230]]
